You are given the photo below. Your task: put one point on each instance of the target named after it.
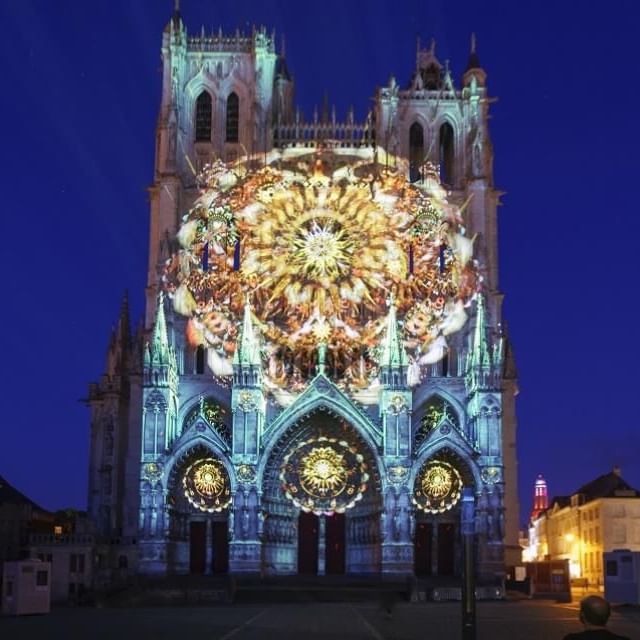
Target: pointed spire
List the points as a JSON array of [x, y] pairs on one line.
[[393, 351], [474, 61], [480, 355], [248, 348], [123, 330], [175, 23], [160, 338]]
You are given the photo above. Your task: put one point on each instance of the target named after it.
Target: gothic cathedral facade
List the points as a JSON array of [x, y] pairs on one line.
[[256, 462]]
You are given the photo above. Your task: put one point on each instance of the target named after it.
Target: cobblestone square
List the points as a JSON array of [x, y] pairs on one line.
[[496, 621]]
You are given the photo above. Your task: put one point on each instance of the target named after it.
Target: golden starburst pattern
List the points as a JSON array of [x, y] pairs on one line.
[[323, 472], [437, 482], [208, 480], [206, 485], [324, 475], [322, 251], [438, 487]]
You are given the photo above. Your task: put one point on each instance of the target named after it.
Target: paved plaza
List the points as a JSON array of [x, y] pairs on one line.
[[529, 620]]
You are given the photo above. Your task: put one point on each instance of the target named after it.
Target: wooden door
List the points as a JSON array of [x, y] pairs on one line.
[[335, 544], [422, 549], [446, 549], [308, 543], [220, 542], [197, 547]]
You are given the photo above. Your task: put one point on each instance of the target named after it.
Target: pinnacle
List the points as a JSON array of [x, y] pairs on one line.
[[474, 60], [248, 349], [393, 351]]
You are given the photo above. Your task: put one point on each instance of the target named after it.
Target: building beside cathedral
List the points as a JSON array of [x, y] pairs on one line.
[[602, 515], [323, 371]]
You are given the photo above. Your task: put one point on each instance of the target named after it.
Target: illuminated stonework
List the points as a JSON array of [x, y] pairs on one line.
[[206, 485], [324, 475], [320, 246], [438, 487]]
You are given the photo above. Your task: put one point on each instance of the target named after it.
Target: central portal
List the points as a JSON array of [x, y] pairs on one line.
[[316, 535], [322, 501]]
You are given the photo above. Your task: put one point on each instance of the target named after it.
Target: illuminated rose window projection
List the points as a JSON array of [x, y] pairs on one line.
[[320, 244], [438, 487], [324, 475], [206, 485]]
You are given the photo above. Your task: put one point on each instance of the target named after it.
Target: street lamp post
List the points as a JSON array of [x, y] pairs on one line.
[[468, 574]]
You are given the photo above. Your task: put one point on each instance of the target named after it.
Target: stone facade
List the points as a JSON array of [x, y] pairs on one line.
[[601, 516], [227, 96]]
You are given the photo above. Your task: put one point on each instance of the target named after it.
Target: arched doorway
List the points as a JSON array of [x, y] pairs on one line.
[[198, 505], [301, 533], [437, 495]]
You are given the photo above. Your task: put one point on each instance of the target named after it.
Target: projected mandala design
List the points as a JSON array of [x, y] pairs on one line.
[[438, 487], [324, 475], [319, 245], [206, 485]]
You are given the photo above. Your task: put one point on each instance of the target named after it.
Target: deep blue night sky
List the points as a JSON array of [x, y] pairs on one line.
[[80, 98]]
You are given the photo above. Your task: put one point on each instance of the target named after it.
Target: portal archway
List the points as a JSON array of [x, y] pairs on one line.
[[198, 500], [321, 500], [436, 494]]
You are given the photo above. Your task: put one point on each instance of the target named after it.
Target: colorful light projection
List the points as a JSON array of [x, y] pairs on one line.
[[320, 243], [324, 475], [438, 487], [206, 485]]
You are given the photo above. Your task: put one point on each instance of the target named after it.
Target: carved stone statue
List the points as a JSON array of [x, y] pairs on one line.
[[245, 522], [232, 520], [477, 168], [397, 524]]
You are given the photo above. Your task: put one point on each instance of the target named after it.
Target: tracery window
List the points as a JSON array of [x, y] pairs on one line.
[[233, 117], [447, 155], [213, 413], [416, 152], [203, 117], [200, 358], [437, 410]]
